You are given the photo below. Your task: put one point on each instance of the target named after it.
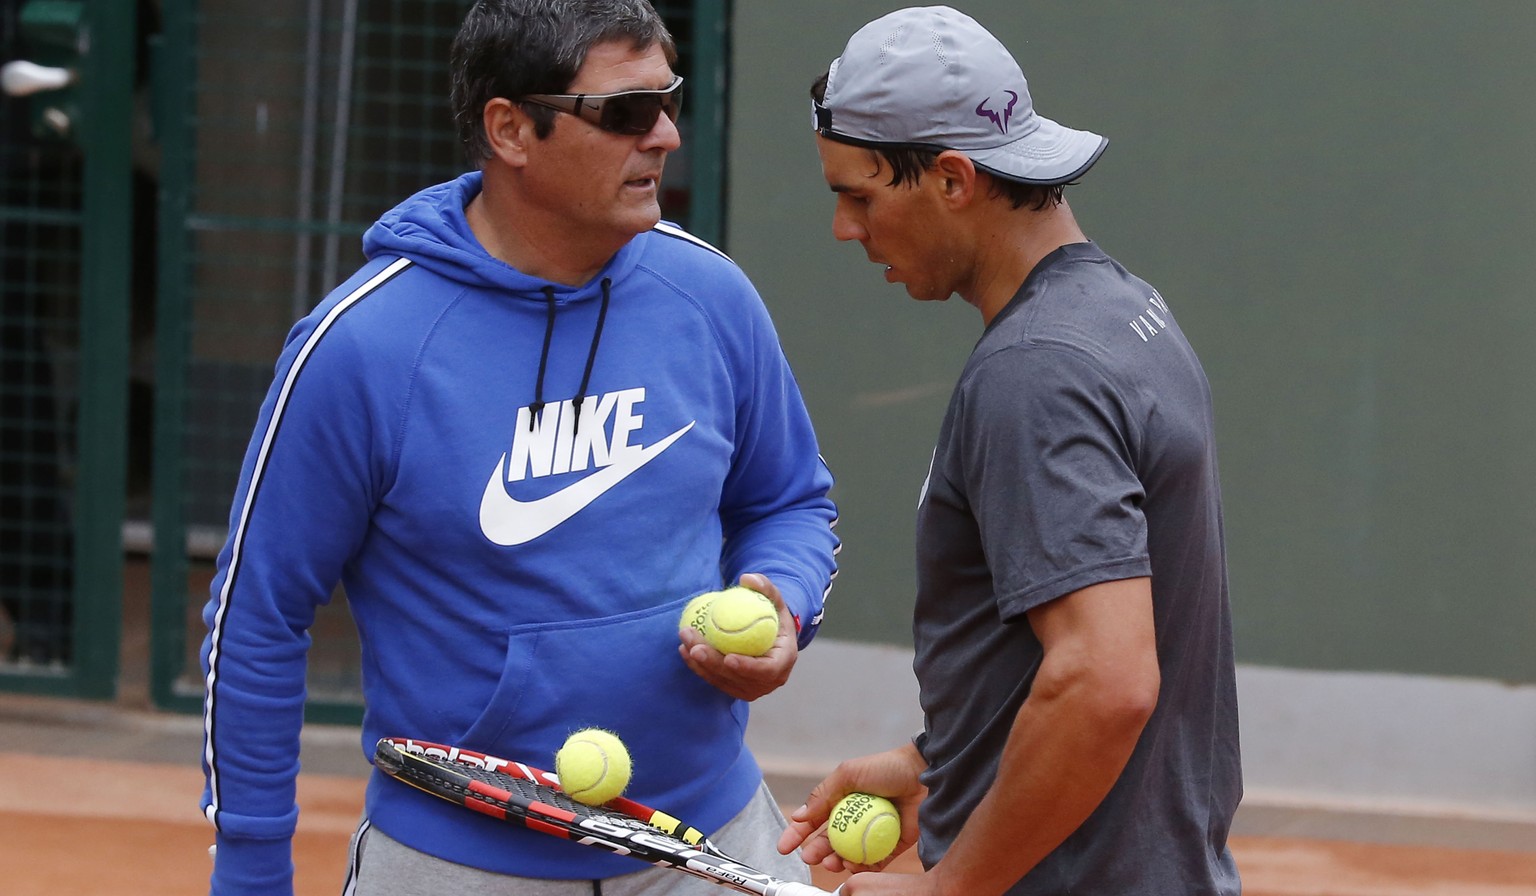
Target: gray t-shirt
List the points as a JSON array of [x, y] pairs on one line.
[[1078, 448]]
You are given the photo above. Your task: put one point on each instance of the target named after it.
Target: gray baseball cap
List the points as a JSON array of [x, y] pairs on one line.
[[932, 77]]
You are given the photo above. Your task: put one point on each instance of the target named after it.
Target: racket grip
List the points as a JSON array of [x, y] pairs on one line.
[[791, 888]]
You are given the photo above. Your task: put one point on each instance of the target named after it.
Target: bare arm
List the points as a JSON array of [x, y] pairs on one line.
[[1095, 690]]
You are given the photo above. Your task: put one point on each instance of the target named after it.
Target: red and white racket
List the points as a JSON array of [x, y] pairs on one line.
[[528, 796]]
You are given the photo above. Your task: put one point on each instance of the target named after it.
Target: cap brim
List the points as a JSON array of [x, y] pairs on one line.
[[1050, 154]]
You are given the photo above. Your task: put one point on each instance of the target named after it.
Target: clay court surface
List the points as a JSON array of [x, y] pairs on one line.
[[77, 822]]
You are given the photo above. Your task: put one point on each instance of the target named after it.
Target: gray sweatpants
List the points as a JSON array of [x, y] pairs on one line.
[[382, 866]]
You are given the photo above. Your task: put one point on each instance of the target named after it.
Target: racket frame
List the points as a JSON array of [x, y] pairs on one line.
[[532, 798]]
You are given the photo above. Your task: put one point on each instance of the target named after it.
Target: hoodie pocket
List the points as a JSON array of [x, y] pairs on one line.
[[622, 673]]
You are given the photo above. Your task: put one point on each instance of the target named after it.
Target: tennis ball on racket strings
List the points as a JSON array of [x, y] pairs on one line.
[[593, 766], [864, 828], [696, 611], [740, 620]]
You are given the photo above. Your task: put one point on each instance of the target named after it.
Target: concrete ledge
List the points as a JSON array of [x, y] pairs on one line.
[[1270, 815], [1416, 744], [1329, 756], [1266, 815]]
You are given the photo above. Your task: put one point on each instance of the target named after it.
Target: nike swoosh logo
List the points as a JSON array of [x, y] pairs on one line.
[[507, 521]]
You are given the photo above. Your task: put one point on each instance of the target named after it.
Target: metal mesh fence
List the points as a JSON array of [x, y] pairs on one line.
[[40, 225]]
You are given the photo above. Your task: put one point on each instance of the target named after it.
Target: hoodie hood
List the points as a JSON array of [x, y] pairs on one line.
[[430, 229]]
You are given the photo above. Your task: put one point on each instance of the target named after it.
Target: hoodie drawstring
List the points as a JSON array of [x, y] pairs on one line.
[[586, 375], [537, 408]]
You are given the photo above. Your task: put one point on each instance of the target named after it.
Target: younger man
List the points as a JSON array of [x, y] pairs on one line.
[[1072, 633]]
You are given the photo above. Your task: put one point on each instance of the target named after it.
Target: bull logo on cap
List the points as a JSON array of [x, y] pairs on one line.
[[1000, 119]]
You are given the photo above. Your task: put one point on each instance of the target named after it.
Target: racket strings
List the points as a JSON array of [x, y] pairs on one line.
[[528, 791]]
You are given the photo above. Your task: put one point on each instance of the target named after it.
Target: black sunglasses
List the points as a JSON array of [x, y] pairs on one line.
[[630, 112]]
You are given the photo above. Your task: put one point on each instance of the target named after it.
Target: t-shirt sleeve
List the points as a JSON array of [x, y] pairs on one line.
[[1050, 465]]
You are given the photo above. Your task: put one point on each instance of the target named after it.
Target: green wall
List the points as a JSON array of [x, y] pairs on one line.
[[1335, 198]]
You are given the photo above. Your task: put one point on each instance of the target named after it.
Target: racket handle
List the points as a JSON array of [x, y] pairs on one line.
[[791, 888]]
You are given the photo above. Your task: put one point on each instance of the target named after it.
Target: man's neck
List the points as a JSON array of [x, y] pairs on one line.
[[514, 236], [1012, 247]]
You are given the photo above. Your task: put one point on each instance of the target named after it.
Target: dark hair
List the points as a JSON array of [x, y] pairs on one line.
[[511, 48], [908, 162]]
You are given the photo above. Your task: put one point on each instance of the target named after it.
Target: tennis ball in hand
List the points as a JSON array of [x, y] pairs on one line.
[[696, 612], [593, 766], [741, 621], [864, 828]]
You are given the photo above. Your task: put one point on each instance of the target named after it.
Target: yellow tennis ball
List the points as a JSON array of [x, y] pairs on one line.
[[864, 828], [695, 613], [593, 766], [741, 621]]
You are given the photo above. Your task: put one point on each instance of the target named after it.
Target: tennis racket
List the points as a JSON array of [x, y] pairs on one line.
[[521, 794]]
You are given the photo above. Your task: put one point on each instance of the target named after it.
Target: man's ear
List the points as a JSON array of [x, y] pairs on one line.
[[508, 129], [955, 174]]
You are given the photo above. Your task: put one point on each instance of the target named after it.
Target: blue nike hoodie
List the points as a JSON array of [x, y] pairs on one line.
[[519, 485]]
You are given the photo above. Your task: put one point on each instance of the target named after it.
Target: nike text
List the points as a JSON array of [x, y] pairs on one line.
[[543, 447], [548, 447]]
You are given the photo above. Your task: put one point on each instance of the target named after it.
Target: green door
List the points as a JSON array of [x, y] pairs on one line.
[[66, 208]]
